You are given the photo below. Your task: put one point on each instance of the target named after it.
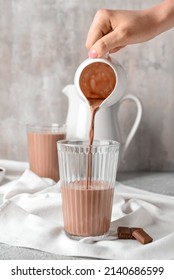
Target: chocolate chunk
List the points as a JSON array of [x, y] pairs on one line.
[[132, 230], [124, 233], [142, 236], [134, 233]]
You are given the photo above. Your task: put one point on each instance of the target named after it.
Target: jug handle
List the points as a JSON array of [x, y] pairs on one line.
[[136, 122]]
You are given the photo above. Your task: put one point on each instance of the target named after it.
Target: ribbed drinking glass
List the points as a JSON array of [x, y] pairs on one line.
[[87, 180]]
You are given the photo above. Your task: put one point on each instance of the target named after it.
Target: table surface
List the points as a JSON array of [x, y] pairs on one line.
[[157, 182]]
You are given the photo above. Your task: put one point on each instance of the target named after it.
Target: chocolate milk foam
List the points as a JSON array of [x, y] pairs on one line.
[[87, 205]]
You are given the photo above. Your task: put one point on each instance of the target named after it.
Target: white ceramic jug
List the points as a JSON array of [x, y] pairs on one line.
[[106, 121], [118, 71]]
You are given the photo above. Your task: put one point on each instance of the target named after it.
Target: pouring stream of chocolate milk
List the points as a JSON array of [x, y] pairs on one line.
[[97, 82]]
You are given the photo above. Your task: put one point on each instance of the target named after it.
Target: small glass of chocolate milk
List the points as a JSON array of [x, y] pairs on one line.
[[42, 148], [87, 180]]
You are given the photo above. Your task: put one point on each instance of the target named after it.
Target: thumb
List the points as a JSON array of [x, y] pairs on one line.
[[104, 45]]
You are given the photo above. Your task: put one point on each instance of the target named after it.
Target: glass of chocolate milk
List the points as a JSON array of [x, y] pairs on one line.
[[42, 149], [87, 180]]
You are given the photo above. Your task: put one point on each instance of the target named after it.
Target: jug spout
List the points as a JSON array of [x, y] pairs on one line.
[[70, 92], [78, 114]]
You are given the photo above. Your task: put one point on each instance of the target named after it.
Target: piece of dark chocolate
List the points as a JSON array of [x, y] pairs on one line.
[[124, 233], [142, 236]]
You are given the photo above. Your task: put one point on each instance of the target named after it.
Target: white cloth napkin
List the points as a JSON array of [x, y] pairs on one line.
[[31, 216]]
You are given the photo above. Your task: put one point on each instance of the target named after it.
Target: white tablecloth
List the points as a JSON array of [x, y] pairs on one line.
[[31, 216]]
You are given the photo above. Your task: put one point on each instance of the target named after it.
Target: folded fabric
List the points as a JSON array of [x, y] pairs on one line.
[[31, 216]]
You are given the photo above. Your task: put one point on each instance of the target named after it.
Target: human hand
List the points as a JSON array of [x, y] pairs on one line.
[[111, 30]]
